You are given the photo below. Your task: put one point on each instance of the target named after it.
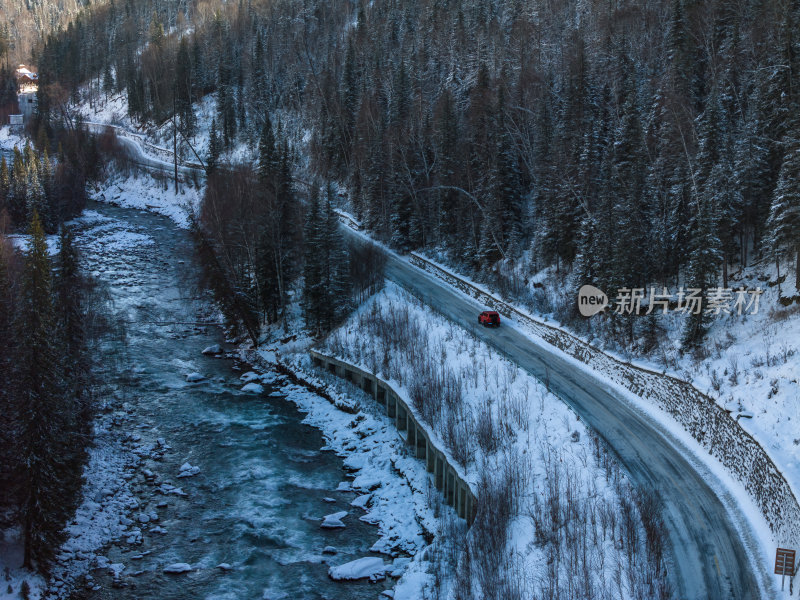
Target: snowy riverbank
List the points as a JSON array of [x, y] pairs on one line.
[[391, 490], [512, 426]]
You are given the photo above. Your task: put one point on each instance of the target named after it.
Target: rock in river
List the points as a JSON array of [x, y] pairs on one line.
[[334, 521], [369, 567], [177, 568]]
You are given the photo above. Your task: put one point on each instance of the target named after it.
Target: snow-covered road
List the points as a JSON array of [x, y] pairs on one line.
[[139, 152], [714, 553]]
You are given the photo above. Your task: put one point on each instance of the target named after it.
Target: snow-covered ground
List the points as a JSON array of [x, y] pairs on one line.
[[114, 111], [749, 363], [752, 368], [148, 192], [9, 139], [14, 577], [511, 436]]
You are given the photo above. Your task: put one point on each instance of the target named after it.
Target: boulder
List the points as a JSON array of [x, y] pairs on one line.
[[177, 568], [334, 521], [371, 567]]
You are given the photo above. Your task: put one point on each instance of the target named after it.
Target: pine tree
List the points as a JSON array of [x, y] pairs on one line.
[[10, 465], [137, 99], [752, 178], [241, 110], [401, 98], [720, 188], [715, 172], [269, 163], [226, 107], [313, 287], [401, 208], [630, 264], [69, 286], [35, 196], [506, 184], [42, 453], [214, 149], [449, 212], [783, 224], [326, 272], [108, 80], [199, 66], [279, 239], [349, 91], [183, 89], [259, 76], [337, 272], [678, 50], [18, 193], [45, 174], [5, 185], [704, 262]]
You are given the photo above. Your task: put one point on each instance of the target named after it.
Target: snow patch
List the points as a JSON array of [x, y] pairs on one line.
[[362, 568], [177, 568], [334, 521]]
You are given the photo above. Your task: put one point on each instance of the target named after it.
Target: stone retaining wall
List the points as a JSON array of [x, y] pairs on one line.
[[703, 418]]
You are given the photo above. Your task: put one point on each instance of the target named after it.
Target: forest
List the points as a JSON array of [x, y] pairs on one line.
[[623, 144], [48, 321], [54, 189], [48, 177]]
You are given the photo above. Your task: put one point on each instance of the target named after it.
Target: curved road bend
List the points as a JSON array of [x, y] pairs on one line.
[[707, 552], [137, 154]]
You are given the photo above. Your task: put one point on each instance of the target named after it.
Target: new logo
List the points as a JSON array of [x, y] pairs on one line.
[[591, 300]]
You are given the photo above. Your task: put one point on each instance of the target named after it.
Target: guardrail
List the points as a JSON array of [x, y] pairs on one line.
[[703, 418], [457, 492]]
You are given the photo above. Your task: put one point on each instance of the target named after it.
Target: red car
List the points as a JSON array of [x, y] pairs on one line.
[[489, 318]]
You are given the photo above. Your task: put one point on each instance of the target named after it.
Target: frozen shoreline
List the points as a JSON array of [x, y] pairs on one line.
[[392, 488]]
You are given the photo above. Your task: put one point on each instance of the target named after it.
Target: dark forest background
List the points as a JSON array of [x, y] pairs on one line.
[[626, 144], [620, 143]]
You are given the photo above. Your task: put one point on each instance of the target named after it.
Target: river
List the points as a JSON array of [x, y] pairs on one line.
[[264, 480]]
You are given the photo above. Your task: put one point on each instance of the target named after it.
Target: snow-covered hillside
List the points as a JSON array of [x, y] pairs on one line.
[[748, 363], [541, 474]]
